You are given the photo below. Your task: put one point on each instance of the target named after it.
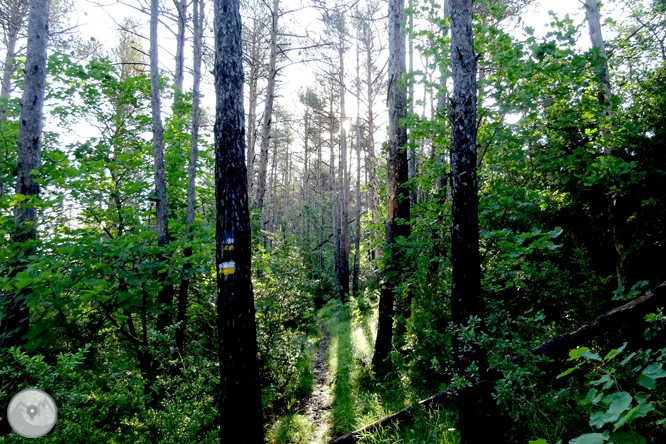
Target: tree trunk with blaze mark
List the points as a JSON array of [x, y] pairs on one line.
[[240, 393]]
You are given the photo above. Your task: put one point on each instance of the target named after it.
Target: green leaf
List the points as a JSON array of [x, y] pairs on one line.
[[576, 352], [650, 374], [598, 420], [23, 283], [654, 371], [539, 441], [639, 411], [590, 355], [619, 402], [589, 438], [591, 394], [585, 353], [605, 379], [613, 353], [646, 382], [555, 233], [566, 372]]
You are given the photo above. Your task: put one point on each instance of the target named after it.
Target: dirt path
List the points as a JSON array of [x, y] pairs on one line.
[[317, 405]]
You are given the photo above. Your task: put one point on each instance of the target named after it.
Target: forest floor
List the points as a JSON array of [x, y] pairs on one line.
[[358, 398], [318, 404]]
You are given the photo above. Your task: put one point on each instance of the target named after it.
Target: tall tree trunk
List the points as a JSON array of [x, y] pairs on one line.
[[306, 173], [412, 149], [14, 326], [605, 96], [268, 109], [181, 7], [14, 22], [320, 195], [374, 181], [397, 194], [441, 109], [475, 403], [344, 192], [287, 191], [357, 237], [253, 82], [240, 391], [272, 218], [594, 23], [198, 19], [29, 157], [334, 205], [165, 295]]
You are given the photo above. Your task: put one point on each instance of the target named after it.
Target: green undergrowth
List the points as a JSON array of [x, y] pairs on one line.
[[359, 398]]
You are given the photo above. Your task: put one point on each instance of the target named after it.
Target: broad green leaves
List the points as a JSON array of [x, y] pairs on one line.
[[622, 407]]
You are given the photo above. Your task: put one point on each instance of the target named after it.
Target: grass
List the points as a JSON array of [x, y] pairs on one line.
[[293, 428]]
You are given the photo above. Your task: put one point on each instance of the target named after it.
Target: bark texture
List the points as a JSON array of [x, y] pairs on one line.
[[12, 24], [198, 19], [240, 392], [268, 110], [357, 228], [412, 148], [343, 201], [398, 209], [165, 296], [367, 40], [476, 403], [335, 208], [254, 61], [15, 322], [181, 8]]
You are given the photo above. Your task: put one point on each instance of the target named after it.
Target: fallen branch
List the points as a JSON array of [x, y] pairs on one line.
[[403, 415], [633, 310], [560, 345]]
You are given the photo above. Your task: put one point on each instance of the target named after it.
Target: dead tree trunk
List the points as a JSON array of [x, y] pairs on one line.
[[255, 61], [268, 109], [13, 24], [181, 8], [29, 157], [605, 96], [334, 204], [240, 392], [367, 40], [357, 238], [198, 19], [165, 295], [412, 148], [398, 207], [344, 181], [14, 326]]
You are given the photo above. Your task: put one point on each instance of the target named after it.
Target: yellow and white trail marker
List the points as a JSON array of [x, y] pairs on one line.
[[228, 267]]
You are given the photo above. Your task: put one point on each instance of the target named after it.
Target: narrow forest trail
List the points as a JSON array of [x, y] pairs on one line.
[[318, 404]]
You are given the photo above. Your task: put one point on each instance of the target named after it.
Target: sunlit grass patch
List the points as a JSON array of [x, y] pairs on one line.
[[431, 427], [293, 428]]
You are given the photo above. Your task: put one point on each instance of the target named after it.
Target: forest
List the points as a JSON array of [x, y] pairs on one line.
[[373, 222]]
